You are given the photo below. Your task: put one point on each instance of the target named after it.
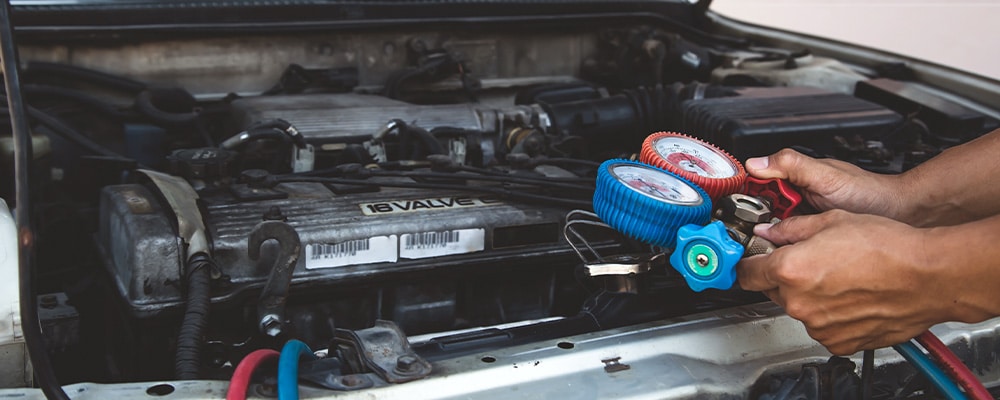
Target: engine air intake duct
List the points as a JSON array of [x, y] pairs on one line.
[[634, 112]]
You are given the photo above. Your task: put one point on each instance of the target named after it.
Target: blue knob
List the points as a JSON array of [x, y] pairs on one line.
[[706, 256], [648, 203]]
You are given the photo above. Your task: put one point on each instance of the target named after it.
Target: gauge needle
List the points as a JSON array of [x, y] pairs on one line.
[[691, 163]]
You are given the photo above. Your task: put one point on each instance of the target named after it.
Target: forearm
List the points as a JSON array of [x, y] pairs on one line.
[[959, 185], [966, 261]]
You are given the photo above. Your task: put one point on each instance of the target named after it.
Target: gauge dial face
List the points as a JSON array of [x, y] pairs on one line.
[[693, 156], [655, 184]]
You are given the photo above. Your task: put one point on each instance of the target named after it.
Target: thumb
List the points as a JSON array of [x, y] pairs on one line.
[[799, 169], [792, 230]]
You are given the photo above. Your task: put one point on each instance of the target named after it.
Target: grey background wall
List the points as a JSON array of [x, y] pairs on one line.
[[964, 34]]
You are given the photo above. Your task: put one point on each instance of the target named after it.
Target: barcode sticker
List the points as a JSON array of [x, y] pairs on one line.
[[361, 251], [435, 244]]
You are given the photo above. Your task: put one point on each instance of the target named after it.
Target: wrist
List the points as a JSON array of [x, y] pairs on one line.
[[901, 197], [962, 260]]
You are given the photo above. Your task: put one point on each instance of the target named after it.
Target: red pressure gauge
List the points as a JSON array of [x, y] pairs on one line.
[[707, 166]]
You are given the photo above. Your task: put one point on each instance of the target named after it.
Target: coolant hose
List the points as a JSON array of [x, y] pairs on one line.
[[187, 360], [953, 366], [147, 100], [934, 374], [244, 371], [288, 368]]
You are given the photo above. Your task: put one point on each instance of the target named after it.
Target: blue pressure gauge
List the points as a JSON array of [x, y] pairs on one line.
[[648, 203]]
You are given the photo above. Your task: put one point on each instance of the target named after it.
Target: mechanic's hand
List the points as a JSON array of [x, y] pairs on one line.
[[832, 184], [855, 281]]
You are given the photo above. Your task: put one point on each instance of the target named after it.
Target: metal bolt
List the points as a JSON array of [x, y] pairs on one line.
[[274, 214], [48, 301], [267, 390], [270, 325], [406, 363], [745, 208], [701, 259], [350, 380]]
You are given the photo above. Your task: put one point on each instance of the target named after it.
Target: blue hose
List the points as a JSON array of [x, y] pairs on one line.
[[922, 363], [288, 368]]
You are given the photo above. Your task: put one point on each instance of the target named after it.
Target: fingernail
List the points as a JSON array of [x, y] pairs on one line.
[[760, 229], [757, 163]]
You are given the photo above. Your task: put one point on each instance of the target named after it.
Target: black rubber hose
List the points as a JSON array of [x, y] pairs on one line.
[[430, 144], [427, 142], [34, 341], [78, 96], [254, 135], [145, 104], [284, 127], [513, 179], [540, 180], [79, 73], [500, 192], [187, 360], [67, 132]]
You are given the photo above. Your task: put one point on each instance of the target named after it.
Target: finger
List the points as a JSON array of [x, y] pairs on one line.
[[775, 296], [794, 229], [753, 274], [801, 170]]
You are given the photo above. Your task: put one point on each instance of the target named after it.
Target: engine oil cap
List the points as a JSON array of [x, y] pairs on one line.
[[706, 256], [648, 203], [705, 165]]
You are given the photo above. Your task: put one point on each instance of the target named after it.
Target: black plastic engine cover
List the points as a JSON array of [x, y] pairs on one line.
[[764, 120]]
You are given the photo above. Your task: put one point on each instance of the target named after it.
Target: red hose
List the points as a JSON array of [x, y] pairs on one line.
[[241, 376], [953, 366]]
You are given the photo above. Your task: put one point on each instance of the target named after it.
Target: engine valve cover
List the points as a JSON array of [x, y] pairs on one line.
[[345, 239]]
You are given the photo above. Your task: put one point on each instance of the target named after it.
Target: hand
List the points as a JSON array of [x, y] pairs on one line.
[[832, 184], [855, 281]]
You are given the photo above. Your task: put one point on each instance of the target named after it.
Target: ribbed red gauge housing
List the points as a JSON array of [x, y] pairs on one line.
[[700, 162]]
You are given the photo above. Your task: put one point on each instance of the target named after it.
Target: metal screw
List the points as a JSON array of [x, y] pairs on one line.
[[267, 390], [270, 325], [350, 380], [406, 363], [274, 214], [701, 259], [48, 301]]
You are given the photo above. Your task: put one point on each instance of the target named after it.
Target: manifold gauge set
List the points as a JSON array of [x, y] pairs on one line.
[[667, 198]]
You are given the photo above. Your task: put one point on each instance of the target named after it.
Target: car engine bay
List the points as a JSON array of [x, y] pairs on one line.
[[203, 195]]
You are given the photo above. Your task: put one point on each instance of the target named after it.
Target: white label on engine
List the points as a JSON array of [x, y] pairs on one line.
[[435, 244], [362, 251]]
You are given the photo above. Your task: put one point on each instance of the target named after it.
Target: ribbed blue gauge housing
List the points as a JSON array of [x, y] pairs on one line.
[[648, 203], [706, 256]]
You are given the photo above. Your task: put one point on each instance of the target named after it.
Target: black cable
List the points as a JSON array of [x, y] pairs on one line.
[[187, 359], [569, 161], [489, 178], [484, 171], [500, 192], [84, 74], [867, 374], [34, 341]]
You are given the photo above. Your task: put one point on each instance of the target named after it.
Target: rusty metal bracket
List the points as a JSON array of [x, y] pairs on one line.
[[382, 349], [271, 307]]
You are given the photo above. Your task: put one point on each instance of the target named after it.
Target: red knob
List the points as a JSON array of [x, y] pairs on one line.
[[779, 193]]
